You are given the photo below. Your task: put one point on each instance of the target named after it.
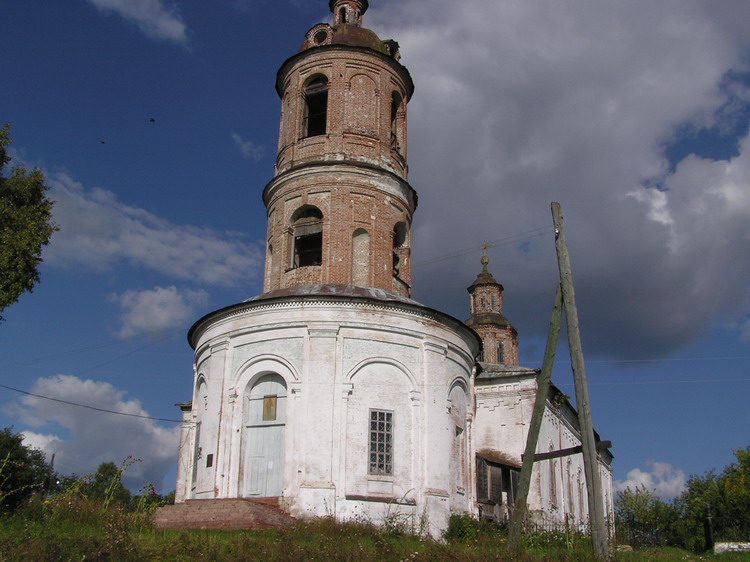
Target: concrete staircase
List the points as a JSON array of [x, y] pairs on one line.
[[263, 513]]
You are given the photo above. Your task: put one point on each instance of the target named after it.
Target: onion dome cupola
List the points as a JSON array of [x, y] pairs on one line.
[[340, 206], [499, 337]]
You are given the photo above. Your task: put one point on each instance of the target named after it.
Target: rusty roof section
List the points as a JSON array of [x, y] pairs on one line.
[[490, 319], [499, 457], [355, 36], [490, 371], [335, 291]]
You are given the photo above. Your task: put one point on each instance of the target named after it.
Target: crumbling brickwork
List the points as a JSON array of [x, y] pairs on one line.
[[341, 166]]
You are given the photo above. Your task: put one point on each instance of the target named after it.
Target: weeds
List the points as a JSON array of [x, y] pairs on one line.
[[72, 526]]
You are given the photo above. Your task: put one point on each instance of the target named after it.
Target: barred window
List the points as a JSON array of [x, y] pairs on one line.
[[381, 442]]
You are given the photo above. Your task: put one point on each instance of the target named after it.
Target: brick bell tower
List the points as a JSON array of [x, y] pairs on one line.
[[340, 207], [333, 392]]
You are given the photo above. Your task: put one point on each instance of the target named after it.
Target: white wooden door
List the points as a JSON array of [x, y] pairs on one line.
[[265, 405]]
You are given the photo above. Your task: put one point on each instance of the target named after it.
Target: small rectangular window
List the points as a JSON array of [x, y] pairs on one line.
[[209, 461], [269, 408], [381, 442]]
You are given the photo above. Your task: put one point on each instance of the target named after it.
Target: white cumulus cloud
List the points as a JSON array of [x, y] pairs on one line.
[[249, 150], [520, 103], [156, 18], [97, 231], [663, 479], [158, 310], [95, 437]]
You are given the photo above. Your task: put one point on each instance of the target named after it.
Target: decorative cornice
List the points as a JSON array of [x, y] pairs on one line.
[[320, 301]]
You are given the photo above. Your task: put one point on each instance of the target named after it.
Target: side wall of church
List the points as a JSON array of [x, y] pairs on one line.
[[558, 487]]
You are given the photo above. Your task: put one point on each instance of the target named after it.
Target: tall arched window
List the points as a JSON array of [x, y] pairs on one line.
[[307, 236], [316, 107], [396, 101], [200, 406], [361, 258], [400, 235], [552, 479], [269, 265]]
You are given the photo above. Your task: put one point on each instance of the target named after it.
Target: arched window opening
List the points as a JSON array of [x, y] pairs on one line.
[[200, 405], [307, 233], [569, 481], [361, 258], [501, 352], [269, 265], [581, 504], [399, 242], [342, 15], [552, 479], [396, 101], [316, 107]]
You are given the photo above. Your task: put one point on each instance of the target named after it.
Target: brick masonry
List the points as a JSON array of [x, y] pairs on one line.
[[223, 514], [355, 174]]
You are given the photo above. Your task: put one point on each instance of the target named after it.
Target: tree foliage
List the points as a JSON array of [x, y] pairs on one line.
[[23, 470], [106, 485], [25, 226], [725, 497], [644, 520]]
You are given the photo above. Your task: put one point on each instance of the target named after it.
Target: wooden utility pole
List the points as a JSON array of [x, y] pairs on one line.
[[519, 510], [590, 457]]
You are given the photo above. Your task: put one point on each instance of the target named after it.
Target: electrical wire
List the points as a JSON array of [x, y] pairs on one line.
[[520, 237], [104, 410]]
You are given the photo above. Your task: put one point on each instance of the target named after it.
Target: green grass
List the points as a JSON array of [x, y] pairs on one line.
[[70, 528]]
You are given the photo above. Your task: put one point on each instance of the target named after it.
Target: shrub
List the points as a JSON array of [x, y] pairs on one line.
[[23, 470]]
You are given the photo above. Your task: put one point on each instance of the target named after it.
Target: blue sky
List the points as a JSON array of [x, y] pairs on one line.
[[156, 124]]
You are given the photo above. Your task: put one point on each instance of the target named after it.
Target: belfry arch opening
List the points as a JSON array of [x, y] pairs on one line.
[[307, 236], [315, 116]]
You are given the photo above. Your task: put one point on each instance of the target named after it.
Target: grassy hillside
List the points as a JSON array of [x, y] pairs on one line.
[[76, 528]]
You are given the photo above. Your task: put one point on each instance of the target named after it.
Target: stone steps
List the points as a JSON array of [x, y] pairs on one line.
[[236, 513]]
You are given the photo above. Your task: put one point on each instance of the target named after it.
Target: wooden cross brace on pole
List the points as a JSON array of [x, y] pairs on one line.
[[565, 298], [600, 446]]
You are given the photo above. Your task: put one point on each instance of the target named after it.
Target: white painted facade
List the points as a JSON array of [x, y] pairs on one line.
[[505, 399], [330, 361]]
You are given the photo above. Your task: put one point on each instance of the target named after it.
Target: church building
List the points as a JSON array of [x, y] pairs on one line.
[[334, 393]]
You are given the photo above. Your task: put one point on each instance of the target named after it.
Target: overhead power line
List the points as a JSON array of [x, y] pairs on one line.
[[520, 237], [104, 410]]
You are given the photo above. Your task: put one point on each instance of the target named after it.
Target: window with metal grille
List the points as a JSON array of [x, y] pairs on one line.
[[381, 442]]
